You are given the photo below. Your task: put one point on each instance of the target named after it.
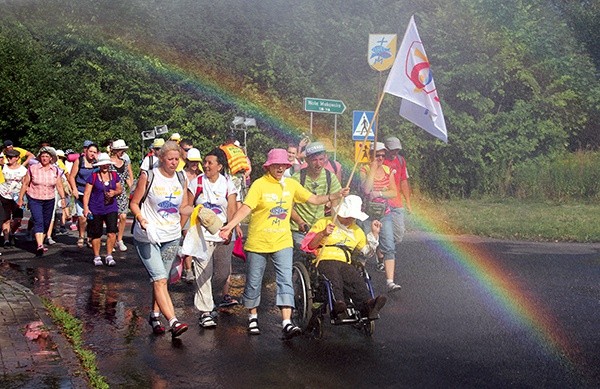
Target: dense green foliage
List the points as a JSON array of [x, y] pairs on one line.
[[517, 78]]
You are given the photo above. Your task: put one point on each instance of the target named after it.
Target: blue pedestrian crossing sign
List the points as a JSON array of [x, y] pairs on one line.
[[360, 124]]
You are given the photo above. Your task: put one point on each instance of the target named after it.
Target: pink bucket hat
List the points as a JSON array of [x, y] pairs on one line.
[[277, 156]]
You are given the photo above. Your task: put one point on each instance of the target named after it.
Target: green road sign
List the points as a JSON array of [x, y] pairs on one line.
[[324, 105]]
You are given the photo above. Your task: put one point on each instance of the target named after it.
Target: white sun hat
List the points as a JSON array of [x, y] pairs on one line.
[[119, 144], [351, 207], [103, 159]]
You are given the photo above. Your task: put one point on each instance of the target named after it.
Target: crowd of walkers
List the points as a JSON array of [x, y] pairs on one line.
[[187, 211]]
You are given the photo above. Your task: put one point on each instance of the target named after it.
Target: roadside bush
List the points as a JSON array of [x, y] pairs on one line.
[[568, 177]]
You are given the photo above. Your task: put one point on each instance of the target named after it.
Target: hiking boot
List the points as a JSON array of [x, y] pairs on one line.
[[177, 329], [374, 306]]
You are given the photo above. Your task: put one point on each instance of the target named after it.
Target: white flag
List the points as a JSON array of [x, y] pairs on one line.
[[412, 80]]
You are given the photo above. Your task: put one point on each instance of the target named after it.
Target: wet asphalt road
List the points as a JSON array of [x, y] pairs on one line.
[[531, 319]]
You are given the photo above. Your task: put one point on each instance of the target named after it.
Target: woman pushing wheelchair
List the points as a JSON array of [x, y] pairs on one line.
[[333, 240]]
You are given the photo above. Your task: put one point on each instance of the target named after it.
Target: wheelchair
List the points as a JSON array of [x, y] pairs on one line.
[[313, 298]]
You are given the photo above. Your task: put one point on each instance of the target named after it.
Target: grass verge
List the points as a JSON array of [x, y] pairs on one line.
[[72, 328], [513, 219]]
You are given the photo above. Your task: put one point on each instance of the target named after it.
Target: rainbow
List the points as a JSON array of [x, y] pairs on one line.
[[518, 305]]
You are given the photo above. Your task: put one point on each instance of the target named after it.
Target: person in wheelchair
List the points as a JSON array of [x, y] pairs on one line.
[[333, 240]]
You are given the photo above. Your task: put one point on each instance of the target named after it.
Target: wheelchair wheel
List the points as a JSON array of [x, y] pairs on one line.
[[303, 297]]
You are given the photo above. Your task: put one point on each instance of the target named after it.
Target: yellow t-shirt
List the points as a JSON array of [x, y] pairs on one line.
[[271, 203], [352, 237]]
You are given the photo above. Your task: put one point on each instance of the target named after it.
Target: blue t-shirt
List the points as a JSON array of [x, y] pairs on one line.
[[97, 204]]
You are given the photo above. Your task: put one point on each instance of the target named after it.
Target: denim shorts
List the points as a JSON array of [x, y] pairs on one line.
[[386, 235], [157, 259]]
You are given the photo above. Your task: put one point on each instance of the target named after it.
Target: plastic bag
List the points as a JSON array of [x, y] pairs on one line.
[[238, 249], [176, 269]]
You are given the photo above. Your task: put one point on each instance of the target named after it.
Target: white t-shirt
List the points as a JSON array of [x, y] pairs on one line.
[[146, 163], [13, 179], [161, 208], [214, 197]]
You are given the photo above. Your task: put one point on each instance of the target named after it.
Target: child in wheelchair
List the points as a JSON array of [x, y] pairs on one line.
[[333, 242]]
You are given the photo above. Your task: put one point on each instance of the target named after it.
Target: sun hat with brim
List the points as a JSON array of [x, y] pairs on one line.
[[103, 159], [193, 155], [393, 143], [11, 153], [378, 146], [47, 150], [158, 143], [277, 157], [119, 144], [60, 154], [351, 207], [176, 137], [210, 220], [315, 148]]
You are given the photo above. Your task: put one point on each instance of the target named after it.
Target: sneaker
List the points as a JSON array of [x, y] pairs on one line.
[[177, 329], [393, 287], [253, 327], [374, 306], [121, 246], [110, 261], [207, 321], [339, 307], [290, 330], [380, 267], [189, 276], [97, 261], [157, 327], [51, 241], [228, 301]]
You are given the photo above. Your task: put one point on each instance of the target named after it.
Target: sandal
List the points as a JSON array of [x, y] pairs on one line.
[[157, 327], [290, 330], [253, 327], [80, 243], [178, 328]]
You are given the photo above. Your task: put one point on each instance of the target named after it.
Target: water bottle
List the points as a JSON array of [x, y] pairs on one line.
[[90, 216]]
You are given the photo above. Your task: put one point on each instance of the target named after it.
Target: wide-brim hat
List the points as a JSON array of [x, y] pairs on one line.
[[119, 144], [351, 207], [393, 143], [277, 157], [103, 159], [193, 155], [60, 153], [176, 137], [48, 150]]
